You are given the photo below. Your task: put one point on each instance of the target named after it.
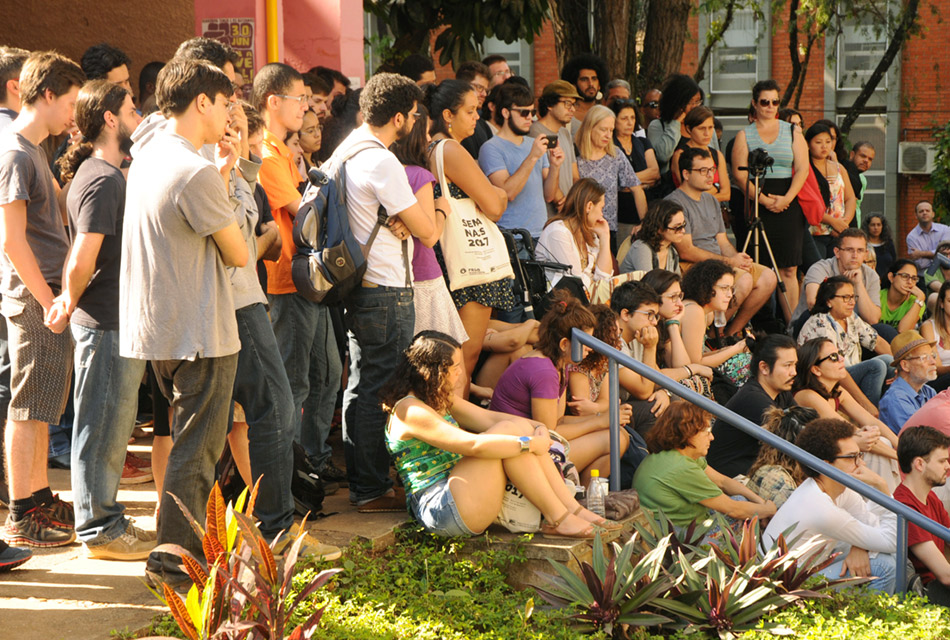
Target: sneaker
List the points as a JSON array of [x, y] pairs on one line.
[[59, 513], [12, 557], [131, 475], [139, 463], [179, 583], [329, 472], [310, 547], [35, 530], [133, 544]]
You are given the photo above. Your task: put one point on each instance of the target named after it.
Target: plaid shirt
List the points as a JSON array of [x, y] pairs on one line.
[[772, 482]]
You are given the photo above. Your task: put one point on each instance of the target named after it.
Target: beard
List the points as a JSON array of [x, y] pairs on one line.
[[404, 130], [515, 129], [125, 139]]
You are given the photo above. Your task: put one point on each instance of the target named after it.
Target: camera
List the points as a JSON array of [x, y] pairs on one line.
[[759, 162], [552, 140]]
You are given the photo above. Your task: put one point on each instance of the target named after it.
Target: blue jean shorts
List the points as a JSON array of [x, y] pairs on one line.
[[435, 509]]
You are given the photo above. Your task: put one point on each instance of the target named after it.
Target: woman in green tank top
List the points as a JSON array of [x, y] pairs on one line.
[[456, 458]]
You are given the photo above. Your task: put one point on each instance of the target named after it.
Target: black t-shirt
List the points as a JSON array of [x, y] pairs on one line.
[[732, 451], [264, 216], [474, 142], [95, 203]]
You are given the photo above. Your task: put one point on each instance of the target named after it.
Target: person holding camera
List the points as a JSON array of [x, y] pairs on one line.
[[555, 111], [770, 144]]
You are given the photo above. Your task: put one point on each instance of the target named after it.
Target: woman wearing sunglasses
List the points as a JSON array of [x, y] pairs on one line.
[[654, 248], [597, 158], [833, 317], [818, 385], [778, 206]]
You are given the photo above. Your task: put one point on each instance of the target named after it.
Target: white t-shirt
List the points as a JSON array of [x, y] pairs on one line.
[[557, 244], [375, 177], [843, 523]]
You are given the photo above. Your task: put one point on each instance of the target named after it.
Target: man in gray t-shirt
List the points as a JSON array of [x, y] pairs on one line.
[[705, 237], [556, 108]]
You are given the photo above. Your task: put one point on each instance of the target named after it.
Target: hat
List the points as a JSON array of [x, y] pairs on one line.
[[906, 342], [563, 88]]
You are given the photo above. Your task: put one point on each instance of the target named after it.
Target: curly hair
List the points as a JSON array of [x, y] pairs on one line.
[[100, 59], [208, 49], [572, 69], [565, 313], [584, 191], [700, 281], [387, 94], [676, 94], [656, 221], [679, 423], [820, 438], [828, 290], [411, 149], [607, 330], [808, 356], [886, 236], [787, 424], [423, 370]]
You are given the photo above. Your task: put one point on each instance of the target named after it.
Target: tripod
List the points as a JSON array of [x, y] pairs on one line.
[[757, 228]]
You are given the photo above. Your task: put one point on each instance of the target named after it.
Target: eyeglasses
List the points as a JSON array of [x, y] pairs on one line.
[[835, 356], [854, 250], [525, 113], [906, 277], [766, 103], [678, 228], [652, 316], [926, 356], [725, 288], [570, 104], [704, 171], [675, 297], [301, 100], [846, 298], [856, 457], [479, 89]]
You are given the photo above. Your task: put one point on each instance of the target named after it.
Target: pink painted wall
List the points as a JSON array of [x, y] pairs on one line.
[[324, 32]]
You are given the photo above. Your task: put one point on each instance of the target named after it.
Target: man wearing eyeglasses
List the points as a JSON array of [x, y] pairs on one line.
[[477, 75], [705, 237], [556, 108], [916, 365], [864, 534]]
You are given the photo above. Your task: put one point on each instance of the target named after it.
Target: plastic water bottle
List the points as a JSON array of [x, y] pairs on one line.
[[597, 493], [719, 319]]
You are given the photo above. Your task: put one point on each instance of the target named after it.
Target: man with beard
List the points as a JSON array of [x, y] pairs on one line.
[[521, 165], [859, 161], [106, 384], [774, 357], [498, 70], [916, 365], [556, 108], [922, 453], [379, 313], [588, 74]]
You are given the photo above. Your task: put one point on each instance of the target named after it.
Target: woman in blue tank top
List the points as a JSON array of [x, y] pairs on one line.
[[779, 210]]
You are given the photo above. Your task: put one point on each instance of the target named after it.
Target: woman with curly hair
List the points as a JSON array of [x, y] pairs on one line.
[[708, 288], [455, 459], [535, 387], [585, 378], [663, 226], [881, 240], [680, 95], [676, 480], [775, 475]]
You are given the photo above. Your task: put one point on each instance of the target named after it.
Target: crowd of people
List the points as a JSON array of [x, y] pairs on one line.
[[148, 249]]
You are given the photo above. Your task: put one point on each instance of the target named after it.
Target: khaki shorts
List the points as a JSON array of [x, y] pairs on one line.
[[41, 362]]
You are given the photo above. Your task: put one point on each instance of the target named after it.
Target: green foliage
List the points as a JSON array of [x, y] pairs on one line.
[[470, 23], [940, 178]]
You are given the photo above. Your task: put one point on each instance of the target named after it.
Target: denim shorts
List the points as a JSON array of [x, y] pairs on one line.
[[435, 509]]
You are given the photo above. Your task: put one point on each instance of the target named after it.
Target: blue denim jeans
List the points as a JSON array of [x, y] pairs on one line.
[[379, 322], [262, 389], [312, 361], [200, 393], [883, 568], [105, 401], [886, 331], [870, 376]]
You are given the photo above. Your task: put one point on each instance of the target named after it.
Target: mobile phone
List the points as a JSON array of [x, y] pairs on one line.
[[552, 140]]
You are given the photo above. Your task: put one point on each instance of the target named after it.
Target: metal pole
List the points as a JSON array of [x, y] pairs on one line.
[[614, 379], [901, 585]]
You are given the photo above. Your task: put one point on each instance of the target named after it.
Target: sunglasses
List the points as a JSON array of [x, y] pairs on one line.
[[525, 113], [837, 356], [766, 103], [653, 104], [679, 227]]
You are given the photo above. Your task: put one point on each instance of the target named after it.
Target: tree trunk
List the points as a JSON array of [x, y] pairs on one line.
[[633, 29], [715, 39], [792, 52], [569, 19], [612, 37], [663, 42], [893, 48]]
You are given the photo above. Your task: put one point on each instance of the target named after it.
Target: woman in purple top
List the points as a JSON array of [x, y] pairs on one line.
[[431, 299], [534, 387]]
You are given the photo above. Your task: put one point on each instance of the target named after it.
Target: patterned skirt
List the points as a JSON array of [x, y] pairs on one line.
[[435, 309]]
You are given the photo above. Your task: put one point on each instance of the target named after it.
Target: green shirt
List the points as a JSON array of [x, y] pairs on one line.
[[674, 484], [894, 317]]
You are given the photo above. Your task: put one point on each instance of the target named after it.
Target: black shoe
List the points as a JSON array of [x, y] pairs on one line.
[[329, 472], [11, 557], [60, 513], [35, 530]]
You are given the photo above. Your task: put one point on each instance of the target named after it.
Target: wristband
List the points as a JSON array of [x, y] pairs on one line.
[[667, 323], [442, 211], [688, 370]]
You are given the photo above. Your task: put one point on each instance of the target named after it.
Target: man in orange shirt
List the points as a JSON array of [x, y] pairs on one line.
[[303, 328]]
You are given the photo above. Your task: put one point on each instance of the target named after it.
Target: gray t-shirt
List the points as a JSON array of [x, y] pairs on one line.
[[824, 269], [565, 177], [641, 257], [703, 219], [176, 296], [25, 175]]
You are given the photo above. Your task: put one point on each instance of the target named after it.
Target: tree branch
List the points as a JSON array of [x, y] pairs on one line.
[[713, 38]]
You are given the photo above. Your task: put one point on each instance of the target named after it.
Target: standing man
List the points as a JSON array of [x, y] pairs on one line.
[[379, 313], [477, 75], [106, 384], [31, 267], [105, 62], [916, 365], [651, 107], [588, 74], [860, 160], [617, 89], [923, 239], [556, 108], [180, 234], [498, 70]]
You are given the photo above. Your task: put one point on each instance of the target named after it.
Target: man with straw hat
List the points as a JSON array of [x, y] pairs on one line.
[[916, 365]]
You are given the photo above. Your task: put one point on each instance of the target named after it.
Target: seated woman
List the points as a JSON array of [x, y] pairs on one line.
[[535, 387], [676, 480], [708, 288], [578, 236], [774, 475], [937, 329], [663, 226], [833, 317], [902, 304], [671, 353], [504, 343], [820, 371], [455, 458]]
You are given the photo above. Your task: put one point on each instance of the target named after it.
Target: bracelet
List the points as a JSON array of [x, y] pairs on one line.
[[671, 322], [442, 211], [688, 370]]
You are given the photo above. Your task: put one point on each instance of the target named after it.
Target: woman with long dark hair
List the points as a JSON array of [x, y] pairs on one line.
[[654, 248], [881, 240], [835, 186]]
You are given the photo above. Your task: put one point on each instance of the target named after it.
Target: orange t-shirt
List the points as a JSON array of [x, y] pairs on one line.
[[279, 177]]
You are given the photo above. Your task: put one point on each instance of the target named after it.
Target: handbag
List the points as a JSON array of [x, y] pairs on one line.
[[472, 244], [810, 199]]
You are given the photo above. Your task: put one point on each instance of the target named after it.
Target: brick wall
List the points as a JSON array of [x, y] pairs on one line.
[[812, 102]]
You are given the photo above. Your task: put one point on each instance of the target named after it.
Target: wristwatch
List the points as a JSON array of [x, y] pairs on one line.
[[525, 443], [919, 302]]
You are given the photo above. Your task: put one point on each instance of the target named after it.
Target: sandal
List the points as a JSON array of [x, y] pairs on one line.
[[603, 523], [549, 530]]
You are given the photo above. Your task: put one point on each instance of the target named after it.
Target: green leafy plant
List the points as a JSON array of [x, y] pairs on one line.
[[940, 177]]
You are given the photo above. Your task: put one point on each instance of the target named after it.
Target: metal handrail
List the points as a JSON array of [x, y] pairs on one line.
[[616, 357]]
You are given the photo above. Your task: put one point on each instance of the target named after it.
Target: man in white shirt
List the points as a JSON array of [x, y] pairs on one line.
[[864, 534], [923, 239]]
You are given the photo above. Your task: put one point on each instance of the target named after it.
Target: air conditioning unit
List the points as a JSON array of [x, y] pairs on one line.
[[916, 157]]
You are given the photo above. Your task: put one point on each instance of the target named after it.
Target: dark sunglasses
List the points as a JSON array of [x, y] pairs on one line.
[[837, 356], [679, 227], [653, 104], [765, 103], [525, 113]]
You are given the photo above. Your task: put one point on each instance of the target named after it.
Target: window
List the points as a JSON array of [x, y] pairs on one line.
[[518, 55], [733, 64], [860, 48]]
